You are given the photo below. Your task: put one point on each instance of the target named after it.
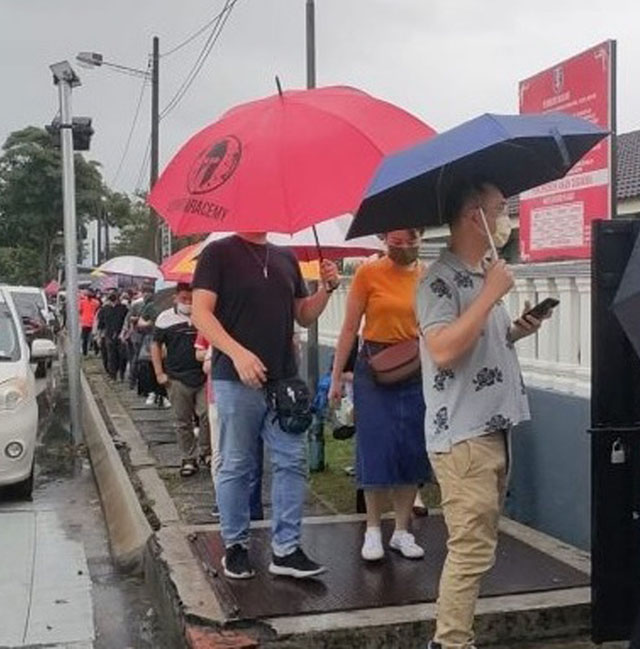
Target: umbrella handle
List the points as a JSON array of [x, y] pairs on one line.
[[494, 250], [320, 255], [318, 248]]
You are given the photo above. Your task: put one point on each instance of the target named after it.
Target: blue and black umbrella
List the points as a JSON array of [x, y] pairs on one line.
[[516, 152]]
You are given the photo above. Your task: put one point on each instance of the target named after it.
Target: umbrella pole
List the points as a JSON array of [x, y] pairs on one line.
[[494, 250]]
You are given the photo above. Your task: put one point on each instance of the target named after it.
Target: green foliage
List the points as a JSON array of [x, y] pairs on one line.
[[19, 266], [31, 214], [138, 227]]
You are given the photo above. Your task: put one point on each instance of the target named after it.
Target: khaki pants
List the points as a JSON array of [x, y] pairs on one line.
[[472, 479], [186, 402]]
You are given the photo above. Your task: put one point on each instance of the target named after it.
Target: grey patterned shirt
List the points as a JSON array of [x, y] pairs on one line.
[[484, 391]]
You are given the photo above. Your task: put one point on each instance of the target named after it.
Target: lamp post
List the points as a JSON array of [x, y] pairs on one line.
[[66, 79], [95, 59]]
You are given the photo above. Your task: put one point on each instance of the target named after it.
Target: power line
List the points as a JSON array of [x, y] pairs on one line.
[[125, 151], [201, 59], [202, 56], [143, 166], [195, 35]]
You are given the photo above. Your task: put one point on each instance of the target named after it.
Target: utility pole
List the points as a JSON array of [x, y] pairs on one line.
[[66, 79], [313, 371], [163, 250]]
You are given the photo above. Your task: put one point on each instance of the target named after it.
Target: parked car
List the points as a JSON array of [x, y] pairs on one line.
[[18, 403], [38, 320]]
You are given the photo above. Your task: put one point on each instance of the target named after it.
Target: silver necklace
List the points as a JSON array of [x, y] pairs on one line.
[[263, 264]]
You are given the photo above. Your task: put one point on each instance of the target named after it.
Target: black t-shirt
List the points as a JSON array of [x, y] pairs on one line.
[[176, 332], [256, 286], [112, 318]]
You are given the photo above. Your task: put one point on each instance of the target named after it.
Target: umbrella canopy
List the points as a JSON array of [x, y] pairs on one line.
[[332, 236], [517, 152], [52, 288], [131, 266], [626, 304], [182, 264], [283, 163]]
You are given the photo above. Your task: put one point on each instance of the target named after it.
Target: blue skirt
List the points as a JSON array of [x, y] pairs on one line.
[[390, 441]]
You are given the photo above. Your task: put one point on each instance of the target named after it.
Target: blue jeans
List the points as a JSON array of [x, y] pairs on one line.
[[244, 418]]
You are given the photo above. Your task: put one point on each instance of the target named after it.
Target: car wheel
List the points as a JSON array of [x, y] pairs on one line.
[[24, 489], [41, 369]]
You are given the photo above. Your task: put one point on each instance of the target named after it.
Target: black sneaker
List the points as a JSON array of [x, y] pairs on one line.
[[437, 645], [296, 564], [236, 563]]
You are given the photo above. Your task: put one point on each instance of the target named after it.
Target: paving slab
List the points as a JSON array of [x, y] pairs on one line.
[[45, 587]]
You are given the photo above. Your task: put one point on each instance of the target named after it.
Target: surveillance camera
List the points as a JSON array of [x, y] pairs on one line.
[[63, 71]]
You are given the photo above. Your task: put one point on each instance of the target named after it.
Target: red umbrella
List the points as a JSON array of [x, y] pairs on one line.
[[283, 163]]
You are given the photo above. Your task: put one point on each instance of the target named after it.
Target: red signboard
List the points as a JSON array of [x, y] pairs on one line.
[[555, 219]]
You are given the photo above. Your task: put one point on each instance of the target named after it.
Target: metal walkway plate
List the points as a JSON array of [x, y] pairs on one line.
[[350, 583]]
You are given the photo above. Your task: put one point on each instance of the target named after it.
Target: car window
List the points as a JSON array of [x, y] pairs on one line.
[[28, 304], [9, 341]]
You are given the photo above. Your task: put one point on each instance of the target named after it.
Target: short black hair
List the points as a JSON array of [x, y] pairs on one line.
[[461, 192], [183, 286], [112, 297]]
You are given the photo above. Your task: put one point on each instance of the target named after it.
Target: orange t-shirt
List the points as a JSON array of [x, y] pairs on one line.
[[389, 293], [88, 307]]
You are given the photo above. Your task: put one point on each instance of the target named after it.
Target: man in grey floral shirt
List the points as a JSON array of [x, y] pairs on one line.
[[474, 393]]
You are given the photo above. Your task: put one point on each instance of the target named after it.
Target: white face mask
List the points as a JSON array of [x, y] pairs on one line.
[[500, 237], [503, 231], [184, 309]]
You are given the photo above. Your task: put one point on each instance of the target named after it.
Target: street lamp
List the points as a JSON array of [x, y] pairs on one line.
[[65, 78], [96, 60]]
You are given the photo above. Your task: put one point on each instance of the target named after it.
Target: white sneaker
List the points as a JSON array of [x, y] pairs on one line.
[[405, 543], [151, 398], [372, 549]]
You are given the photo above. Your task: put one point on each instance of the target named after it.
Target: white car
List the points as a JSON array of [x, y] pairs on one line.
[[18, 403]]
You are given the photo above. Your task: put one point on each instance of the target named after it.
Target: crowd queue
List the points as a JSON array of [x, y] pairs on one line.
[[437, 387]]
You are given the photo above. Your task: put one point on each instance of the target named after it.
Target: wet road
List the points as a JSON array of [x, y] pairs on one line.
[[60, 588]]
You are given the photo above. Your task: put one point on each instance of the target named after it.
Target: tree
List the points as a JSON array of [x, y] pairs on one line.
[[31, 207], [19, 266]]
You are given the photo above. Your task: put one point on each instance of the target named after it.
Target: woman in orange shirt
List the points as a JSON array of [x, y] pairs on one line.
[[391, 457]]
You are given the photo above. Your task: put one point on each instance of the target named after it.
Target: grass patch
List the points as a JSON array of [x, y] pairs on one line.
[[333, 485], [338, 489]]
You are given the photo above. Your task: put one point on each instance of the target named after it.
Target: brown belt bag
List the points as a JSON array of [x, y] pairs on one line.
[[396, 363]]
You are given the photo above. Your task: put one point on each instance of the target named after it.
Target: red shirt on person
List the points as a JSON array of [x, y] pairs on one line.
[[88, 307]]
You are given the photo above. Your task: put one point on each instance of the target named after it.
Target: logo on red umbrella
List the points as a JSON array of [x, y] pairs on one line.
[[214, 165]]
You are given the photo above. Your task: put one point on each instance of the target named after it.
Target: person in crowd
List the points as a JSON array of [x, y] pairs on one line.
[[204, 353], [132, 337], [247, 294], [101, 337], [88, 308], [475, 395], [181, 373], [112, 320], [391, 458], [148, 386]]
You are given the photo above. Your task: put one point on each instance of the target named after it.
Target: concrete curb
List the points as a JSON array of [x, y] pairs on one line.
[[127, 525]]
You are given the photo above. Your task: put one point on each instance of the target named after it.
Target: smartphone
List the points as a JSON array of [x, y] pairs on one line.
[[540, 310]]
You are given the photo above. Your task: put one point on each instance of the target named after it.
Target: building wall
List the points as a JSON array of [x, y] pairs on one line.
[[550, 487]]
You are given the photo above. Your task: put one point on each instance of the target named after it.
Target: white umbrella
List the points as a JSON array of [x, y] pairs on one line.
[[131, 266], [331, 239]]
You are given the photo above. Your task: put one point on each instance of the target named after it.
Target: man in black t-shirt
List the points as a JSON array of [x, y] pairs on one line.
[[247, 294], [182, 374], [112, 318]]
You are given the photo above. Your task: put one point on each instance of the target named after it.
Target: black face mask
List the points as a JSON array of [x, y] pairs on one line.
[[403, 256]]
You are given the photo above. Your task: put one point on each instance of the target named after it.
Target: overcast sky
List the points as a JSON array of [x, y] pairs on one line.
[[444, 60]]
